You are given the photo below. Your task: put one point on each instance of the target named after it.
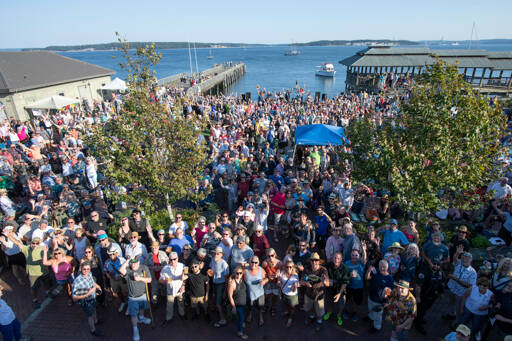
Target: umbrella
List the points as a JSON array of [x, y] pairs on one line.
[[53, 102]]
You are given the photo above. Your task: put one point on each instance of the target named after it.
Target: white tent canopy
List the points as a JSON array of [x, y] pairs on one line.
[[53, 102], [116, 84]]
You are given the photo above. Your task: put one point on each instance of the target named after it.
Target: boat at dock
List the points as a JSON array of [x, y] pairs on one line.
[[326, 70]]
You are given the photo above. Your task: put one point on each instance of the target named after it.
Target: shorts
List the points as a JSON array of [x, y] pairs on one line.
[[356, 295], [272, 289], [277, 218], [319, 305], [258, 303], [195, 301], [36, 281], [219, 293], [17, 259], [88, 306], [135, 304], [291, 301], [119, 286], [65, 281]]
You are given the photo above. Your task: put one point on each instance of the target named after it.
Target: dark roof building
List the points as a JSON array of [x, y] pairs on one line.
[[488, 71], [28, 77], [21, 71]]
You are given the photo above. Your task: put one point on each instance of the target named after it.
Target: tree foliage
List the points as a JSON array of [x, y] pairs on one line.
[[445, 140], [149, 148]]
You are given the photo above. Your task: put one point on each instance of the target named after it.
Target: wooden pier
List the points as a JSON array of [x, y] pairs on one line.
[[216, 80]]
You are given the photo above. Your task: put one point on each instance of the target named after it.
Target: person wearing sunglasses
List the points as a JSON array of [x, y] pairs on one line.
[[237, 296], [63, 268], [135, 248], [172, 276], [273, 267], [255, 280], [179, 223], [197, 287], [315, 279], [84, 293], [288, 284]]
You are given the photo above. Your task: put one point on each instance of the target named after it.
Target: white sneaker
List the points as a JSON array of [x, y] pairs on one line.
[[136, 336], [145, 320], [121, 307]]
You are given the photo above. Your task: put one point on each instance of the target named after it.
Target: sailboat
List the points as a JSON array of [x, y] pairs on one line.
[[293, 51], [210, 56]]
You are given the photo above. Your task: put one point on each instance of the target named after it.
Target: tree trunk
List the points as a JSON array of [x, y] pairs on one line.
[[169, 208]]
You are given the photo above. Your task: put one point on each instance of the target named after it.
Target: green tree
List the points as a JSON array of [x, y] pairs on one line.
[[148, 146], [445, 140]]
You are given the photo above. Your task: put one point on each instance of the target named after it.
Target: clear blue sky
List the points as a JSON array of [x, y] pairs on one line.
[[39, 23]]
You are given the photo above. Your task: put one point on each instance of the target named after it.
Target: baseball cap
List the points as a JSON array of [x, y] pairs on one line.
[[102, 234], [393, 222]]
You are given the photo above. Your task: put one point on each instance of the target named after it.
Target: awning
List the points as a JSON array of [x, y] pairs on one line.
[[52, 102], [320, 135]]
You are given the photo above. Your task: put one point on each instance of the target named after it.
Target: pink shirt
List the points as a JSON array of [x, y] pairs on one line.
[[200, 234]]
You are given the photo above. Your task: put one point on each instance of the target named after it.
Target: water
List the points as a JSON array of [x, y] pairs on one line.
[[267, 67]]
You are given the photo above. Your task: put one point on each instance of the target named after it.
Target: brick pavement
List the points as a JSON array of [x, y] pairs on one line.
[[60, 322]]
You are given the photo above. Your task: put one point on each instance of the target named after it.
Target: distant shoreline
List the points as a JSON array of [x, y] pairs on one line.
[[181, 45]]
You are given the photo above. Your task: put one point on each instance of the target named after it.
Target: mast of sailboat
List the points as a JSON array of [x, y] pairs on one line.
[[475, 33], [190, 61], [195, 54]]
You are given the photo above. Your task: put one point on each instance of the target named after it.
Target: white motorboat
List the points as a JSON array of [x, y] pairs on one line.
[[326, 70]]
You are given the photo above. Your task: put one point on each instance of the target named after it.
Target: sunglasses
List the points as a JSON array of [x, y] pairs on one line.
[[88, 252], [133, 237], [254, 262], [238, 273], [178, 217], [271, 255], [289, 267], [173, 259], [86, 269]]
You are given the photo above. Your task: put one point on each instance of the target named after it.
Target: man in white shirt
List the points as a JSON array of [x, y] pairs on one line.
[[43, 231], [500, 189], [173, 276]]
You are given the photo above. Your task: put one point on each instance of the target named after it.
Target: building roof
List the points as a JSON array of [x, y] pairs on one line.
[[36, 69], [421, 56]]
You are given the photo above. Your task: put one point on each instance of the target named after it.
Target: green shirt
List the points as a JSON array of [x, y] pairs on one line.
[[316, 157], [34, 258]]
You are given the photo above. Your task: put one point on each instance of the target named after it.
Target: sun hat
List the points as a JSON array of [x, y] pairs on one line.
[[403, 284], [218, 249], [395, 245], [463, 329], [36, 240], [201, 252], [135, 234], [314, 256], [112, 250], [462, 228]]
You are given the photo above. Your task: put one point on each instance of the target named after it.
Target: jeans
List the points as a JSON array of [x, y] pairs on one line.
[[11, 331], [477, 321], [240, 312], [400, 336]]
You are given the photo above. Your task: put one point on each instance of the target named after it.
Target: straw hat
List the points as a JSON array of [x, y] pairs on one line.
[[314, 256], [403, 284], [395, 245]]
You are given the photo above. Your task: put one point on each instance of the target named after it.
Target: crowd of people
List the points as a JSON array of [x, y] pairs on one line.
[[293, 233]]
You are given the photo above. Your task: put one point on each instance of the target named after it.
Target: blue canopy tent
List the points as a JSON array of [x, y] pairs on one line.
[[319, 135]]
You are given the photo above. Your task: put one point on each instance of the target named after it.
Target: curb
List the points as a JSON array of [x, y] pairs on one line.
[[39, 310]]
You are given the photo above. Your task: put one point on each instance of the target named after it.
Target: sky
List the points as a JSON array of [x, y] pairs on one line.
[[40, 23]]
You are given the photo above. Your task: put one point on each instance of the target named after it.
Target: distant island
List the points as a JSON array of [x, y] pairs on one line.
[[183, 45]]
